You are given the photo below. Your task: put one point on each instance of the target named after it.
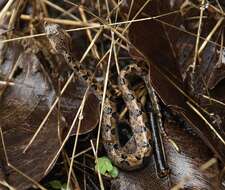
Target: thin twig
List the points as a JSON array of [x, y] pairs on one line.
[[5, 9], [56, 7], [96, 162], [213, 100], [193, 65], [57, 20], [5, 184], [27, 177], [104, 92], [218, 24], [94, 48], [76, 139], [94, 26], [205, 120]]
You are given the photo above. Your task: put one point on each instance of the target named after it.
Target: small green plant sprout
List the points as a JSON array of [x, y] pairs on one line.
[[105, 167], [56, 184]]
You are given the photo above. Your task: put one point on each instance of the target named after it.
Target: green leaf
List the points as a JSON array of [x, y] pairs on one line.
[[104, 165], [64, 187], [55, 184], [106, 168], [114, 173]]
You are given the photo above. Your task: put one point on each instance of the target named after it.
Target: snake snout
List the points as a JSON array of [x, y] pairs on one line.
[[51, 29]]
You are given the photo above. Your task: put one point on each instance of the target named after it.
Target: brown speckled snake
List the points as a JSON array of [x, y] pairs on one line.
[[123, 157]]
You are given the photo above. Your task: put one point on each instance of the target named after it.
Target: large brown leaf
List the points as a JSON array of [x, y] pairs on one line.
[[170, 53], [183, 166], [23, 107]]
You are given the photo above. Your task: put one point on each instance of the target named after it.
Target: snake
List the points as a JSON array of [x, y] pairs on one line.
[[133, 154]]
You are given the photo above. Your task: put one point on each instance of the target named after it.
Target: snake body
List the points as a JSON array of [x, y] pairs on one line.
[[132, 155], [124, 157]]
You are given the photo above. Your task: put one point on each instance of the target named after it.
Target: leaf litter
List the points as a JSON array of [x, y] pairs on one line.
[[175, 36]]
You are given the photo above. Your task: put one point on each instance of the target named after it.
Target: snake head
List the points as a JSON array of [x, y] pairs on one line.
[[51, 29], [59, 39]]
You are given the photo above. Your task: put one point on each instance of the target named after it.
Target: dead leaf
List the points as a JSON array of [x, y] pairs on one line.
[[24, 104], [184, 166], [167, 74]]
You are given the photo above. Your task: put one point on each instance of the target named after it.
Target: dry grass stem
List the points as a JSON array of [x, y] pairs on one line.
[[76, 139], [56, 7], [27, 177], [192, 66], [213, 100], [218, 24], [5, 184], [114, 24], [208, 124], [94, 48], [57, 21], [104, 92], [96, 160], [3, 146], [5, 9]]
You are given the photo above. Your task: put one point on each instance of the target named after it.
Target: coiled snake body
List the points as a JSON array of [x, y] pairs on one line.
[[123, 157]]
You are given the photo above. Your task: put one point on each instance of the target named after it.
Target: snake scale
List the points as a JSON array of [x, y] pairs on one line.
[[122, 156]]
